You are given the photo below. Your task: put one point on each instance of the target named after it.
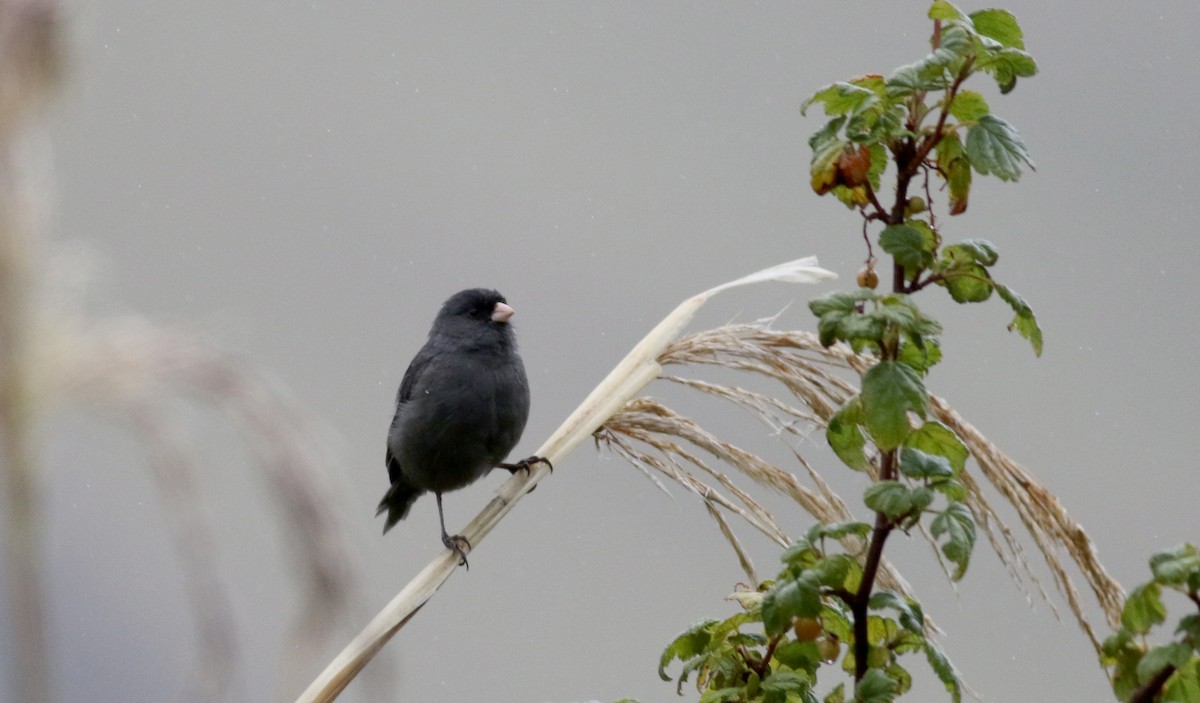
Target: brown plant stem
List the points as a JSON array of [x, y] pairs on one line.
[[1148, 692], [859, 604]]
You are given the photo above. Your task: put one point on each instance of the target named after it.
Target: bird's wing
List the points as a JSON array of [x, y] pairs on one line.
[[418, 365], [393, 466]]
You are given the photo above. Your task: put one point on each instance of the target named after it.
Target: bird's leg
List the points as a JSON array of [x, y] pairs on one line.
[[458, 543], [525, 464]]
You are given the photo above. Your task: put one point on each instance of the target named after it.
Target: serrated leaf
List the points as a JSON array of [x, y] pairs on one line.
[[900, 676], [874, 687], [910, 619], [957, 524], [995, 147], [793, 598], [896, 500], [945, 670], [968, 106], [838, 301], [845, 437], [1143, 608], [800, 553], [841, 99], [935, 438], [686, 645], [909, 245], [798, 654], [899, 310], [968, 283], [879, 162], [1006, 65], [891, 390], [981, 251], [1000, 25], [920, 357], [826, 149], [785, 682], [722, 695], [840, 571], [915, 77], [1175, 566], [1176, 655], [954, 165], [1189, 627], [915, 463], [942, 10], [837, 530], [1184, 684], [1024, 322]]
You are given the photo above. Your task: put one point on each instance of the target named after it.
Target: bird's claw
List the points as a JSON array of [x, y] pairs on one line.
[[526, 464], [460, 546]]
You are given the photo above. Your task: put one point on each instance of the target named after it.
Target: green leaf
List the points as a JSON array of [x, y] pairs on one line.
[[1184, 685], [785, 682], [826, 148], [968, 106], [1006, 65], [944, 669], [942, 10], [792, 598], [995, 147], [915, 463], [981, 251], [801, 554], [954, 165], [920, 356], [840, 571], [1189, 627], [1000, 25], [846, 439], [839, 317], [968, 283], [722, 695], [837, 530], [896, 500], [798, 655], [1025, 323], [1175, 566], [841, 99], [686, 645], [838, 302], [909, 611], [907, 245], [1143, 608], [935, 438], [891, 390], [1176, 655], [916, 77], [901, 677], [875, 687], [958, 525]]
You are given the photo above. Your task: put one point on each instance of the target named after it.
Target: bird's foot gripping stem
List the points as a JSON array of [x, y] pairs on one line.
[[460, 546], [525, 464]]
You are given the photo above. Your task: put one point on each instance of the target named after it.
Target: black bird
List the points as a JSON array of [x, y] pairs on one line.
[[460, 410]]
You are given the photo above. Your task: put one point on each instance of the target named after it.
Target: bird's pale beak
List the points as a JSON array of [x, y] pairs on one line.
[[501, 313]]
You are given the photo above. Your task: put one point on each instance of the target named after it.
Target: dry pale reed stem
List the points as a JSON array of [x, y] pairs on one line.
[[29, 58], [638, 368]]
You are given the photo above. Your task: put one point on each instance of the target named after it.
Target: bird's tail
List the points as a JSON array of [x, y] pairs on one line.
[[396, 503]]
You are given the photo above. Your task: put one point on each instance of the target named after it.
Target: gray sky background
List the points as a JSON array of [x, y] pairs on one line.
[[306, 182]]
